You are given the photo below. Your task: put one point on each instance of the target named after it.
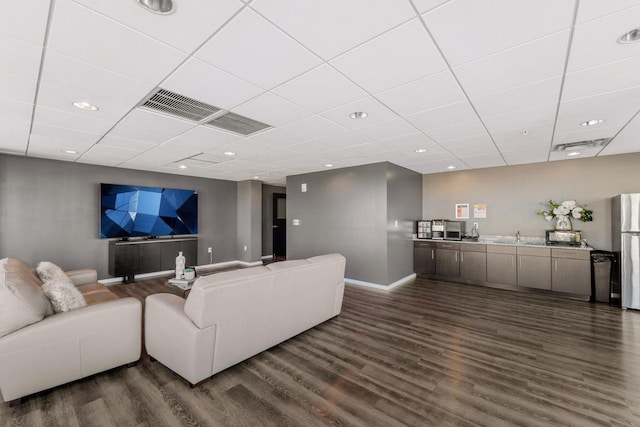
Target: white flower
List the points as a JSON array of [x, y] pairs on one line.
[[577, 212], [548, 217], [563, 210], [556, 211], [570, 204]]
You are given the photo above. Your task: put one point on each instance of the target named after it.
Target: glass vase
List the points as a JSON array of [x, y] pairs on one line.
[[563, 223]]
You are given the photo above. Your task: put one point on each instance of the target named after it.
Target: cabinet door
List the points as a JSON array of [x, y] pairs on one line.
[[149, 257], [124, 259], [571, 275], [424, 259], [534, 271], [447, 263], [473, 265], [501, 268], [189, 249], [168, 253]]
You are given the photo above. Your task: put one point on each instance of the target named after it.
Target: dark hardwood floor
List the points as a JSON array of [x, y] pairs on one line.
[[426, 353]]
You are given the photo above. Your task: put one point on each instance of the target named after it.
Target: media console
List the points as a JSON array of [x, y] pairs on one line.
[[128, 258]]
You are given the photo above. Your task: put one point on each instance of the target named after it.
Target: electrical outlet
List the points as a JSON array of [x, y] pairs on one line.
[[245, 247], [475, 225], [209, 250]]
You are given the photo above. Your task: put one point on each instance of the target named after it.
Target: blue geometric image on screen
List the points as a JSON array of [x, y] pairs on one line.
[[130, 211]]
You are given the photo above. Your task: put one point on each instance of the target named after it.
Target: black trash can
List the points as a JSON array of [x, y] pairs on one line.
[[602, 277]]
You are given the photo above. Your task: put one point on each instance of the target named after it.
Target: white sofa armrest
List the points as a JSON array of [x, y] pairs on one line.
[[67, 346], [82, 277], [175, 341]]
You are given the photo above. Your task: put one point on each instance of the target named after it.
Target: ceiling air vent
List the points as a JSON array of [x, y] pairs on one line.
[[177, 105], [594, 143], [237, 124]]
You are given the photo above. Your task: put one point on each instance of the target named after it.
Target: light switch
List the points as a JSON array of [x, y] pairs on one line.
[[296, 222], [303, 187]]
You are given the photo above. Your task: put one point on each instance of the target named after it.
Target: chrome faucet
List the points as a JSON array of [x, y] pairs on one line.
[[518, 236]]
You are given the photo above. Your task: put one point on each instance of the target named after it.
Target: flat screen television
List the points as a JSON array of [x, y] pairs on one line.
[[136, 211]]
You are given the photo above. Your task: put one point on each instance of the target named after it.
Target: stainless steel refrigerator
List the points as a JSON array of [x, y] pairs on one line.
[[625, 226]]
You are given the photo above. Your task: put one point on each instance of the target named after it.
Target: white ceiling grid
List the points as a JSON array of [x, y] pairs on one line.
[[476, 84]]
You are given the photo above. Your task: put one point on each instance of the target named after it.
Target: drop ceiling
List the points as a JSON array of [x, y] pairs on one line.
[[476, 84]]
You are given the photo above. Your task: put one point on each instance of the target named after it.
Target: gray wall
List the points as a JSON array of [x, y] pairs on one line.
[[267, 216], [513, 194], [352, 211], [249, 241], [404, 206], [49, 210]]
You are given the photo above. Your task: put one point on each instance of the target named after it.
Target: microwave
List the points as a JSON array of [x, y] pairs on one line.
[[454, 230]]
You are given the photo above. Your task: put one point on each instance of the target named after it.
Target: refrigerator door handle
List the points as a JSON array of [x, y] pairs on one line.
[[630, 270]]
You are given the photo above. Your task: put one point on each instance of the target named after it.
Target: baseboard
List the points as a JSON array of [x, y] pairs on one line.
[[378, 286], [267, 256], [118, 280]]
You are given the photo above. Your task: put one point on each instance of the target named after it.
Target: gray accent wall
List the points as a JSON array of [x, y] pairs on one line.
[[49, 210], [346, 211], [267, 216], [513, 194], [249, 241]]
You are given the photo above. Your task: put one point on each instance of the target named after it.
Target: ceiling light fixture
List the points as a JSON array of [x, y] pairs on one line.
[[70, 151], [229, 153], [592, 122], [161, 7], [182, 166], [357, 115], [630, 37], [525, 132], [256, 177], [84, 106], [328, 165], [451, 167], [573, 153], [421, 150]]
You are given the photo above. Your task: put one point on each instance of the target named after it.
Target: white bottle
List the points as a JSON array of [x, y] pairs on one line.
[[180, 263]]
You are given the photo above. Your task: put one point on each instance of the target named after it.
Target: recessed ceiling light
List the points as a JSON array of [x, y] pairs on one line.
[[525, 132], [70, 151], [630, 37], [359, 115], [229, 153], [256, 177], [182, 166], [451, 167], [161, 7], [592, 122], [573, 153], [421, 150], [85, 106], [328, 165]]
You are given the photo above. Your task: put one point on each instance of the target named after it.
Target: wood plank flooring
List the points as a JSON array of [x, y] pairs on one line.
[[427, 353]]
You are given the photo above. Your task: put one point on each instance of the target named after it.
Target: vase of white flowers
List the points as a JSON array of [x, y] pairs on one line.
[[564, 212]]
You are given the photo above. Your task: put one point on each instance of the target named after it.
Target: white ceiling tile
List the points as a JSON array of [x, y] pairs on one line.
[[484, 161], [471, 146], [376, 112], [275, 156], [314, 127], [443, 116], [276, 137], [25, 20], [520, 121], [25, 58], [563, 155], [390, 129], [271, 109], [249, 40], [525, 156], [49, 139], [540, 59], [129, 144], [591, 9], [17, 89], [408, 144], [311, 147], [367, 149], [595, 42], [585, 134], [320, 89], [387, 61], [201, 17], [610, 77], [627, 140], [307, 21], [105, 155], [496, 25], [109, 45], [13, 110], [14, 135], [539, 95], [243, 148], [459, 131], [440, 166], [83, 120], [425, 5], [390, 156], [429, 92], [149, 127], [537, 137], [346, 139], [202, 138], [201, 81]]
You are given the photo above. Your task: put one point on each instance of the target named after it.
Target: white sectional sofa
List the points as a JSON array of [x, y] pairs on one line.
[[231, 316]]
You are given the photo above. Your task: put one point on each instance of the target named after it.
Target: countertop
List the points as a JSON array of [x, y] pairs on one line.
[[509, 241]]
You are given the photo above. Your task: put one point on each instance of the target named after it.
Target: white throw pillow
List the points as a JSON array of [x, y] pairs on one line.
[[63, 295], [48, 271]]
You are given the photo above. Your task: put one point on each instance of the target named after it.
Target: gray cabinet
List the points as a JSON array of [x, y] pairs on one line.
[[501, 265], [571, 271], [534, 267], [424, 258], [473, 262], [447, 259]]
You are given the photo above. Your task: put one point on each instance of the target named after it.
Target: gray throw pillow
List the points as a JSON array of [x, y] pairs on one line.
[[48, 271], [63, 296]]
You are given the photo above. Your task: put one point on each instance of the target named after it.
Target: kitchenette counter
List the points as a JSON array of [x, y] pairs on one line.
[[508, 241]]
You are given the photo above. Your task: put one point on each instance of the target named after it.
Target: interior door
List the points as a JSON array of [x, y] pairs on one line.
[[279, 225]]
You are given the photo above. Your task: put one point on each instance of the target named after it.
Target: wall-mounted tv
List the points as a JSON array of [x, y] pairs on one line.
[[135, 211]]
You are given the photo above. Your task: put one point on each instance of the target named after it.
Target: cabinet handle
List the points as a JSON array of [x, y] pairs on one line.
[[555, 264], [512, 260], [520, 261], [461, 256], [456, 256], [433, 254]]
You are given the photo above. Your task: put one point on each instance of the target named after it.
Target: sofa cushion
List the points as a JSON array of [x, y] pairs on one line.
[[22, 301], [285, 265], [63, 296], [48, 271], [96, 293]]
